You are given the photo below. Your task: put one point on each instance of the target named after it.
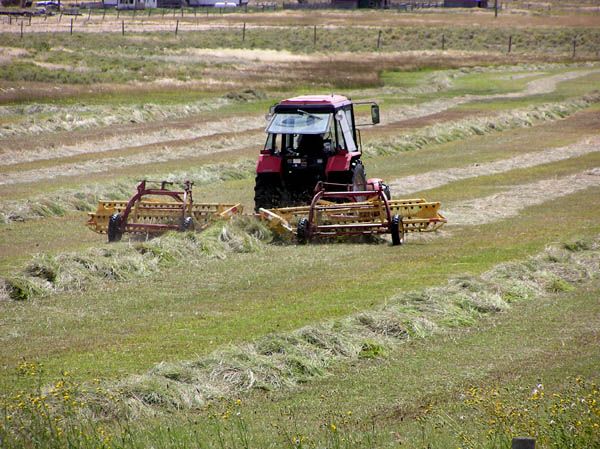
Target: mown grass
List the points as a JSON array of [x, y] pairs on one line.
[[194, 306], [426, 408], [148, 322], [389, 145]]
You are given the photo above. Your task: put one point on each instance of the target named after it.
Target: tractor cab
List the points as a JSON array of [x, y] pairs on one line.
[[309, 139]]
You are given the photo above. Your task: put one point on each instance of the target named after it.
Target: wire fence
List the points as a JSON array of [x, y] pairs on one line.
[[186, 22]]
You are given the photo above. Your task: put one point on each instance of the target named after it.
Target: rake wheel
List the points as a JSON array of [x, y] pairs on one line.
[[397, 230], [114, 228], [302, 231]]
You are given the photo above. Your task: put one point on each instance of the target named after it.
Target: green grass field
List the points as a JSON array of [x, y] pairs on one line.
[[464, 338]]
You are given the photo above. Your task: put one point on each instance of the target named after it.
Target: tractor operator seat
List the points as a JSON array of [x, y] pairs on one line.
[[311, 144]]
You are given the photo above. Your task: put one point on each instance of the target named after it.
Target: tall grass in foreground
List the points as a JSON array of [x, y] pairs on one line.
[[110, 414]]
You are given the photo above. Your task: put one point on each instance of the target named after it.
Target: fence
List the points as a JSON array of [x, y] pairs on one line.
[[179, 22]]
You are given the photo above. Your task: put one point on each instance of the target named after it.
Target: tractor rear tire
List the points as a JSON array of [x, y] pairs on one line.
[[267, 192], [114, 228], [397, 230], [302, 231]]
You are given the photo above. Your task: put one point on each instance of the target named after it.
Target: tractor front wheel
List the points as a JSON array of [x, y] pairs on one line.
[[397, 230], [114, 228]]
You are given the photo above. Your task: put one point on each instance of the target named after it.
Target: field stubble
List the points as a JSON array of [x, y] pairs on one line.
[[112, 291]]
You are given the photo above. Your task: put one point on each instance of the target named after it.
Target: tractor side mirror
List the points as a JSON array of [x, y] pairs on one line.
[[269, 116], [375, 113]]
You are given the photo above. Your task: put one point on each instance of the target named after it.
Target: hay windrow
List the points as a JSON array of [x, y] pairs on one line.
[[437, 178], [285, 360], [463, 129], [44, 118], [70, 272], [87, 197]]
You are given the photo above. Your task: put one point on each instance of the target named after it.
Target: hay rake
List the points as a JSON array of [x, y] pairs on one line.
[[156, 210], [340, 213]]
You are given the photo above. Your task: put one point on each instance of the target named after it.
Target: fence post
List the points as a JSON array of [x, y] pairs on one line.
[[118, 13], [244, 33], [315, 35], [122, 27], [21, 29], [89, 13], [71, 27], [509, 43], [177, 27], [574, 46], [378, 39], [523, 443], [103, 14], [443, 42]]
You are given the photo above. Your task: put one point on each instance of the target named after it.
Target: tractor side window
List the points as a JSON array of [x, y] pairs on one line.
[[344, 130], [273, 143]]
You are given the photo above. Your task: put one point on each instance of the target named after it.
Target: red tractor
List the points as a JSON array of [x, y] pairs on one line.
[[311, 139]]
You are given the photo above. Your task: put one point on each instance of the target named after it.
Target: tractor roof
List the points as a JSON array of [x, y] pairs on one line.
[[316, 101]]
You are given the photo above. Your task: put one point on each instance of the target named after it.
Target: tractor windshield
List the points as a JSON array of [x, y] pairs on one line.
[[299, 123]]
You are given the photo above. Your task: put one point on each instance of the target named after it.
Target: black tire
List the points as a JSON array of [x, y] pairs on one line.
[[397, 230], [267, 192], [302, 231], [114, 228], [187, 224], [359, 177]]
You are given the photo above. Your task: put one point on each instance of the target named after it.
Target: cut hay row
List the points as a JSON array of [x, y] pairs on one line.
[[540, 86], [85, 199], [68, 272], [544, 85], [283, 360], [463, 129], [510, 202], [87, 196], [438, 178], [78, 271], [168, 135], [44, 118], [163, 135], [47, 118], [548, 85], [108, 164], [438, 133]]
